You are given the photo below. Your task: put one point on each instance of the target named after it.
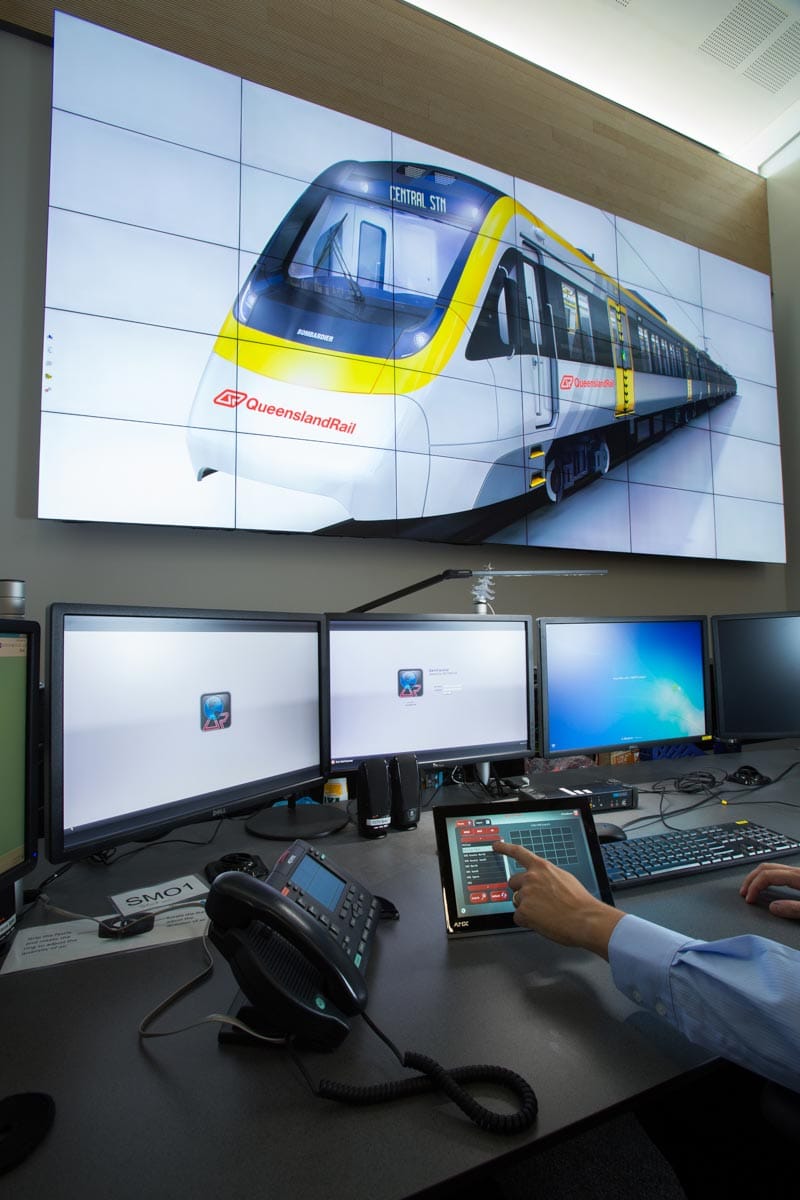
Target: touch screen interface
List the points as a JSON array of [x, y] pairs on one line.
[[477, 894]]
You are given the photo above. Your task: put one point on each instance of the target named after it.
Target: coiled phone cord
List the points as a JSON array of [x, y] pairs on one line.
[[434, 1077]]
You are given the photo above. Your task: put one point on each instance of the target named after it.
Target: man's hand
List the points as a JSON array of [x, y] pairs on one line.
[[774, 875], [555, 903]]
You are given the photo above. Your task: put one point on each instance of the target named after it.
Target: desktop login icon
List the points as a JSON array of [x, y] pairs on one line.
[[409, 682], [215, 711]]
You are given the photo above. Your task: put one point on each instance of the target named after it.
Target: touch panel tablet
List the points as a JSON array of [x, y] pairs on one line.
[[475, 888]]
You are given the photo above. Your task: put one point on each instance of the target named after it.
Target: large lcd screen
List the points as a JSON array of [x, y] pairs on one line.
[[612, 683], [19, 748], [161, 717], [447, 689], [756, 675], [294, 320]]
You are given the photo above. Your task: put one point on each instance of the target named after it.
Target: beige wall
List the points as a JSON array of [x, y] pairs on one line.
[[783, 191], [393, 65]]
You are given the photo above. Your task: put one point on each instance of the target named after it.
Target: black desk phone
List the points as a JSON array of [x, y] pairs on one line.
[[297, 942]]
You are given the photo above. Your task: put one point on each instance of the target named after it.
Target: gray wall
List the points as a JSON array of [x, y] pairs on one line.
[[144, 565]]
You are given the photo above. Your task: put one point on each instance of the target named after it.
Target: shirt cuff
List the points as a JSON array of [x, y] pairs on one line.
[[640, 955]]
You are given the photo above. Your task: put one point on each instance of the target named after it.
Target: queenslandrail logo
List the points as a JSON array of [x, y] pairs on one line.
[[228, 398], [574, 381]]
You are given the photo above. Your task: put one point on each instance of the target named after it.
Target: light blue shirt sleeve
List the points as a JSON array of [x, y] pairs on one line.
[[738, 998]]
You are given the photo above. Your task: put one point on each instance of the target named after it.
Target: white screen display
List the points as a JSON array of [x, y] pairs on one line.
[[295, 320], [156, 711], [421, 687]]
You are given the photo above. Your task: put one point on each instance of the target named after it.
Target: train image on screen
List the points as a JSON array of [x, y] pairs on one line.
[[412, 342]]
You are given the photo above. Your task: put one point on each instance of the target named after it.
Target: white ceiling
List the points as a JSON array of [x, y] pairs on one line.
[[725, 74]]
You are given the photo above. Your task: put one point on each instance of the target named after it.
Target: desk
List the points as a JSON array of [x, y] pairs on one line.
[[186, 1117]]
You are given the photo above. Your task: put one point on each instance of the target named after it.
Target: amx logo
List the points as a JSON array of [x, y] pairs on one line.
[[229, 398]]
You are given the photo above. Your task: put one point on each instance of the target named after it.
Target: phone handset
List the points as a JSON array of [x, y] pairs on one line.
[[287, 963]]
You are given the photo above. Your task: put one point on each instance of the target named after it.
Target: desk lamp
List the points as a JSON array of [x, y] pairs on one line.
[[483, 593]]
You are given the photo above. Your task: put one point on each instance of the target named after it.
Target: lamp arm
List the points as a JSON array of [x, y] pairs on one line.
[[414, 587]]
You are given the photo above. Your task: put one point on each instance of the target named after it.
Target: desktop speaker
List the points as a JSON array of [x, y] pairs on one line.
[[374, 801], [405, 792]]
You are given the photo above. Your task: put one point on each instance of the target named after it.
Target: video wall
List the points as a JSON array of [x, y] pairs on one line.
[[264, 314]]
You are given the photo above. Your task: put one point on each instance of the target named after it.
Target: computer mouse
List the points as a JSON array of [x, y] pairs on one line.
[[607, 832], [748, 776]]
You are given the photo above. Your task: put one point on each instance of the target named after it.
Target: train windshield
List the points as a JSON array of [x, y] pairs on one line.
[[360, 275]]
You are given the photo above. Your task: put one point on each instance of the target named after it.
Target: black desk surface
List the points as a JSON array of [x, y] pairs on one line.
[[185, 1116]]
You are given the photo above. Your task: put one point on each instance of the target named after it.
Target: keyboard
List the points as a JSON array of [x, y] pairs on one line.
[[692, 852]]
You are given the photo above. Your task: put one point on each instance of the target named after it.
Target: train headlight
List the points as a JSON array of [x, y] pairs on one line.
[[247, 303]]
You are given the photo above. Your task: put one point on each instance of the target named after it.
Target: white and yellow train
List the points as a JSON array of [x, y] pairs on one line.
[[412, 342]]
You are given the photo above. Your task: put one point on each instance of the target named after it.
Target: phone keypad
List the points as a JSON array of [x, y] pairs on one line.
[[351, 921]]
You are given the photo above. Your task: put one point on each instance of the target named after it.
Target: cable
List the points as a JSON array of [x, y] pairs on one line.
[[434, 1077], [103, 857]]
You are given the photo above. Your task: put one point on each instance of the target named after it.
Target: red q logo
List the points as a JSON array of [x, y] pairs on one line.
[[229, 398], [566, 382]]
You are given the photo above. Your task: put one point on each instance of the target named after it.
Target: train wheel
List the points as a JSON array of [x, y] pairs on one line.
[[554, 480], [602, 457]]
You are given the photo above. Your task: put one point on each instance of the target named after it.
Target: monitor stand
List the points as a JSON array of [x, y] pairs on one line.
[[286, 822]]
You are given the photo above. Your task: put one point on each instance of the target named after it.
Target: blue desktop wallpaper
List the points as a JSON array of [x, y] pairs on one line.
[[622, 683]]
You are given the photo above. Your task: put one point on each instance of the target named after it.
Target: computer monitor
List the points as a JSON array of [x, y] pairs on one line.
[[756, 675], [164, 717], [610, 683], [446, 688], [19, 762]]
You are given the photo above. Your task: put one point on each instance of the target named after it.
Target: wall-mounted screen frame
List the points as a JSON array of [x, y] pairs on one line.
[[313, 323]]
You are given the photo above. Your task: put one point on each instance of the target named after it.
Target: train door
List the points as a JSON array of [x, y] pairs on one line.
[[536, 364], [687, 362], [623, 359]]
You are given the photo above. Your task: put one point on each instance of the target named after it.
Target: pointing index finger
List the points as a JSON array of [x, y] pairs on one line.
[[525, 858]]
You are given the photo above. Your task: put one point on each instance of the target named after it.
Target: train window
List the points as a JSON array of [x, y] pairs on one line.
[[570, 300], [496, 332], [585, 318], [371, 254], [530, 312], [601, 343], [646, 362]]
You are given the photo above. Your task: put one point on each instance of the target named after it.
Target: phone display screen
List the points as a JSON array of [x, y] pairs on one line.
[[316, 881]]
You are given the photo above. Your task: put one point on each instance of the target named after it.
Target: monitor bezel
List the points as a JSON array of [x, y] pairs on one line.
[[542, 707], [741, 735], [441, 756], [66, 846], [458, 925], [33, 739]]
